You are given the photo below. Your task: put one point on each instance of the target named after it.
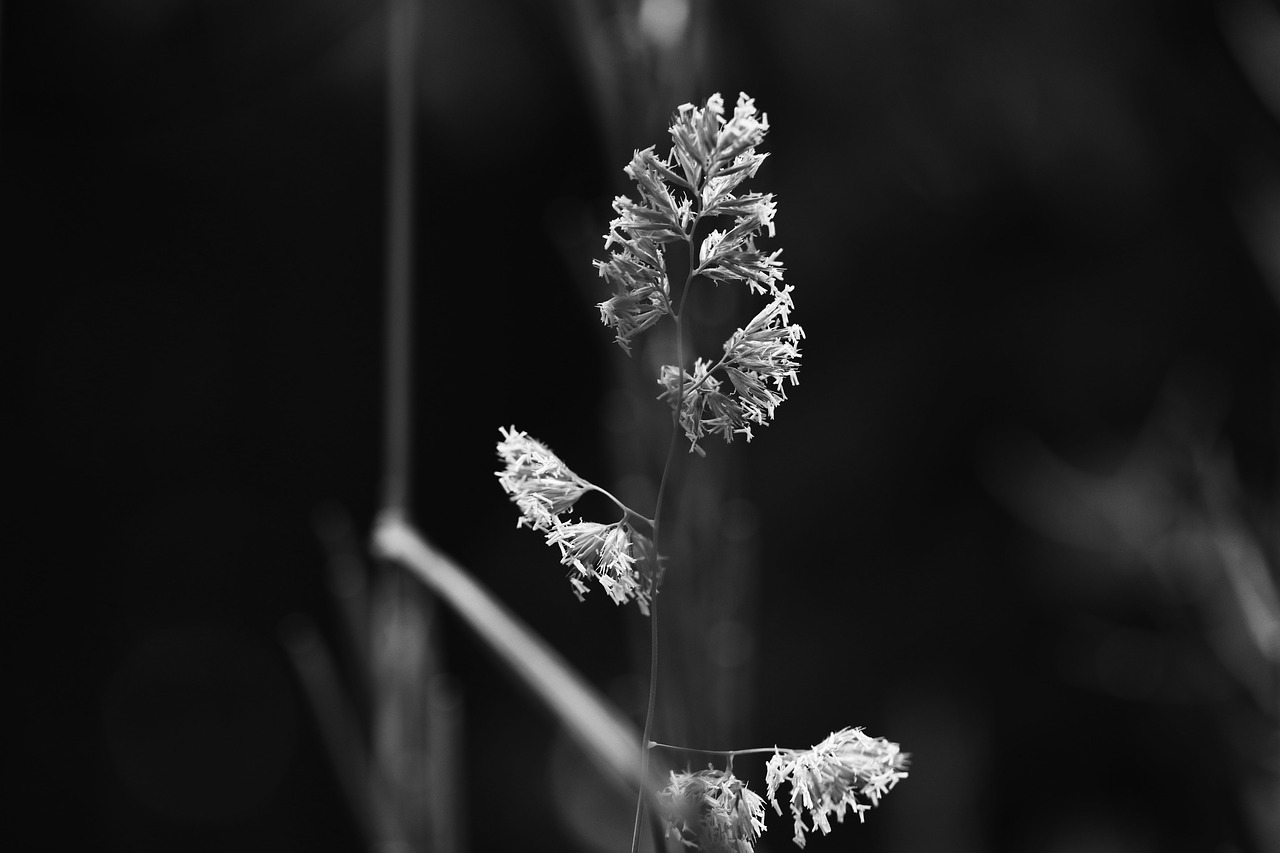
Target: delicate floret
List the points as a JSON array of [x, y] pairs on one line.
[[707, 145], [766, 351], [712, 810], [540, 484], [759, 360], [704, 408], [710, 158], [640, 296], [615, 555], [832, 776]]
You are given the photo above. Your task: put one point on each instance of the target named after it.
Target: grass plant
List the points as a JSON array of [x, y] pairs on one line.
[[692, 212]]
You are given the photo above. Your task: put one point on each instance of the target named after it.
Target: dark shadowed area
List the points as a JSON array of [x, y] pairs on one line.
[[1021, 514]]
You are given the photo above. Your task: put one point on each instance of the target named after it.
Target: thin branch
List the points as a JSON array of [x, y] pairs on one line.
[[651, 705], [653, 744]]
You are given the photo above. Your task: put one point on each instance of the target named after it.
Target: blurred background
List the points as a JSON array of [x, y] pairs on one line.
[[1020, 516]]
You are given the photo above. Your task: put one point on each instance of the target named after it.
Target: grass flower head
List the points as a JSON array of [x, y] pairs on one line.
[[699, 181], [537, 481], [616, 556], [848, 770], [714, 811], [711, 156]]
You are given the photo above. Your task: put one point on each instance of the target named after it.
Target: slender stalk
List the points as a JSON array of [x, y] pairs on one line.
[[657, 522], [653, 744], [630, 513]]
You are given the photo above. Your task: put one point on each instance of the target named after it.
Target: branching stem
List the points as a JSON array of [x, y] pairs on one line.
[[653, 744], [657, 520], [630, 513]]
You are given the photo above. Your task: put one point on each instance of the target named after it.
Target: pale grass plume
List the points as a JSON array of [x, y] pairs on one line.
[[617, 556], [712, 810], [848, 770]]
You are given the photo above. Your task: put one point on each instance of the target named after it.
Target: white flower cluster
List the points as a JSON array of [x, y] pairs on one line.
[[710, 158], [616, 555], [831, 777], [540, 484], [611, 553], [712, 810], [715, 811]]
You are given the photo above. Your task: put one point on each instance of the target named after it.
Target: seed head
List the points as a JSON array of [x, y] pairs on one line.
[[540, 484], [714, 811], [832, 776]]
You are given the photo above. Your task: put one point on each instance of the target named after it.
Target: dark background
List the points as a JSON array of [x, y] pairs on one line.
[[1019, 233]]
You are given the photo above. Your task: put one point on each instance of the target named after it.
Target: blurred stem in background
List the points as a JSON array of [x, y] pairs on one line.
[[403, 780], [398, 420]]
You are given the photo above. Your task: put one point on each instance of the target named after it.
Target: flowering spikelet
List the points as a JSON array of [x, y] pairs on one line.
[[707, 145], [766, 351], [537, 481], [832, 776], [612, 554], [713, 810], [616, 555], [641, 294], [758, 360], [704, 407], [712, 155]]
